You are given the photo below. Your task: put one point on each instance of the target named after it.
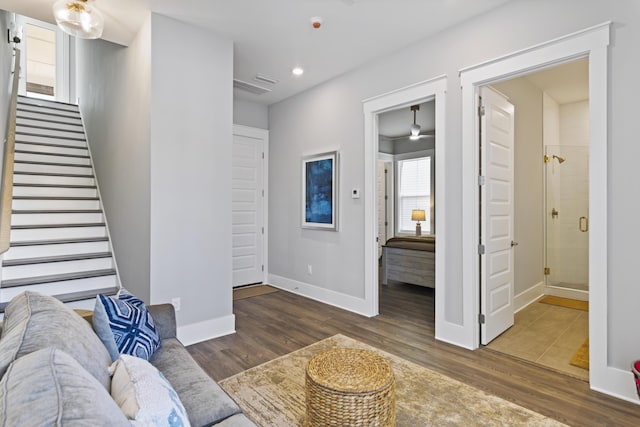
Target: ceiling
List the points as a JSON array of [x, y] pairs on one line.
[[271, 37], [397, 123], [565, 83]]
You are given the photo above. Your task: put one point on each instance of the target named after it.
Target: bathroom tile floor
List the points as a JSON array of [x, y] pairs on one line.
[[548, 335]]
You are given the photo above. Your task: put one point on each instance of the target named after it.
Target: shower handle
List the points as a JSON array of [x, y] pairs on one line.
[[583, 224]]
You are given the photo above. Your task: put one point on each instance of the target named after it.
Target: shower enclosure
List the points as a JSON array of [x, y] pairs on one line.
[[567, 220]]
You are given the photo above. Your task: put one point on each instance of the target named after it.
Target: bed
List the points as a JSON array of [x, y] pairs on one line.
[[409, 260]]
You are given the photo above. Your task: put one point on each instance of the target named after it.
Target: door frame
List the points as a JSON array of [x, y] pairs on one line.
[[404, 97], [591, 42], [263, 134]]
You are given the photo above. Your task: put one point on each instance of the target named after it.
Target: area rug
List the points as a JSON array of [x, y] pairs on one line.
[[252, 291], [565, 302], [581, 358], [272, 394]]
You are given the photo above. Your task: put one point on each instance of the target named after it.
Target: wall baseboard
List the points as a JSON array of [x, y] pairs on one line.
[[208, 329], [567, 293], [617, 383], [523, 299], [327, 296]]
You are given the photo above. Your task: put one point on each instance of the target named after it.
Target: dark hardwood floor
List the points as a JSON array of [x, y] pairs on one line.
[[273, 325]]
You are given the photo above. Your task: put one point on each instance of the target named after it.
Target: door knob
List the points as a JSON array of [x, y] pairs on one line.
[[514, 243]]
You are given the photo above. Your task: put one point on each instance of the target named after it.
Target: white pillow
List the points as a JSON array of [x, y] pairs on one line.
[[144, 394]]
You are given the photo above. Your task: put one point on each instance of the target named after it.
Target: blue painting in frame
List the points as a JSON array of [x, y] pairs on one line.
[[319, 191]]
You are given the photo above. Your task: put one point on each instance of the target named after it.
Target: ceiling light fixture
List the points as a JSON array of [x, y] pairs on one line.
[[415, 128], [297, 71], [79, 18]]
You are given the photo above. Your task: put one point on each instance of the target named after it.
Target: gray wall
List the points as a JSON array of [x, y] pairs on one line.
[[329, 116], [114, 86], [191, 128], [162, 151], [249, 113], [528, 185]]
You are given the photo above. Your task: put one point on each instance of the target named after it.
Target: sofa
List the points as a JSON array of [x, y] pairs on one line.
[[55, 371]]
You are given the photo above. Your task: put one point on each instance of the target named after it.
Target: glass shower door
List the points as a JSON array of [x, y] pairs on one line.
[[567, 216]]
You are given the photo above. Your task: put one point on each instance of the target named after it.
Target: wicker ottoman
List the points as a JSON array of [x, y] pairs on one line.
[[349, 387]]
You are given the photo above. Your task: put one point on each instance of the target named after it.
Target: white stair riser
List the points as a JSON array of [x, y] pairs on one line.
[[61, 233], [54, 191], [36, 251], [47, 141], [55, 218], [50, 133], [50, 111], [58, 180], [73, 170], [45, 103], [45, 204], [52, 158], [59, 288], [51, 149], [49, 124], [35, 115], [45, 269]]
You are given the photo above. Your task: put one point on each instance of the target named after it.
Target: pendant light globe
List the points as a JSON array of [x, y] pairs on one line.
[[79, 18]]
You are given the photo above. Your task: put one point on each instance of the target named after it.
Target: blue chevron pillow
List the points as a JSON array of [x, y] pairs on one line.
[[125, 326]]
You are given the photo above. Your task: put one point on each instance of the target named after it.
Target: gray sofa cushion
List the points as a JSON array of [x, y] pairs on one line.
[[205, 402], [33, 321], [49, 388]]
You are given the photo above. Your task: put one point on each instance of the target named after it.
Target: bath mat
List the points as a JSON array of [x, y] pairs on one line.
[[565, 302], [252, 291], [581, 358], [273, 394]]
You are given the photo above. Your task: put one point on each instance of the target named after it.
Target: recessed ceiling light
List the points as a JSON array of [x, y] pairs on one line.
[[297, 71]]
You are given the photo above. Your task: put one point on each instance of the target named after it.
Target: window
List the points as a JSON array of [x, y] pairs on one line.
[[414, 192]]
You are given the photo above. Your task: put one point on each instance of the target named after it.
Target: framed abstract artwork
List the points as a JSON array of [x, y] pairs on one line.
[[320, 191]]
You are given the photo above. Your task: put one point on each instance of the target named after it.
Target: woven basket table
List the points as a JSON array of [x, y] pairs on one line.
[[349, 387]]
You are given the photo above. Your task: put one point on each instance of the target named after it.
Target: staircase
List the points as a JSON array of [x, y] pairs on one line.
[[59, 239]]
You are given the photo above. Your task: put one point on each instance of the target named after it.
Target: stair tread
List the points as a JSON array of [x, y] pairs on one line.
[[20, 117], [27, 125], [59, 241], [54, 185], [68, 175], [49, 136], [73, 225], [56, 258], [57, 278], [46, 153], [54, 198], [32, 162], [22, 98], [54, 211], [35, 109]]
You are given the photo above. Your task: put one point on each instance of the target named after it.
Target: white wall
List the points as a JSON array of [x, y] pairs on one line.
[[6, 59], [114, 87], [250, 114], [191, 128], [528, 185], [329, 116]]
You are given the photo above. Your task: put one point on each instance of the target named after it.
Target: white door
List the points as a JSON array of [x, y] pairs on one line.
[[496, 147], [382, 205], [248, 205]]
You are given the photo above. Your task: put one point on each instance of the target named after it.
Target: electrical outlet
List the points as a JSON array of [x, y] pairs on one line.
[[175, 302], [310, 270]]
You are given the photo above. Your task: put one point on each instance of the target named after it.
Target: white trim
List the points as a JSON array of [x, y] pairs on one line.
[[386, 157], [207, 329], [567, 293], [528, 297], [591, 42], [327, 296], [404, 97], [263, 134]]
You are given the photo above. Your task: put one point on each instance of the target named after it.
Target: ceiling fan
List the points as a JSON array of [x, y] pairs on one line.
[[415, 130]]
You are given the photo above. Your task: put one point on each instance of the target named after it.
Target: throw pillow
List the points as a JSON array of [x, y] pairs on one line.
[[33, 321], [49, 388], [144, 395], [125, 326]]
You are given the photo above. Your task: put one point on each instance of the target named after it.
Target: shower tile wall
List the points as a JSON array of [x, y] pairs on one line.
[[567, 136]]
